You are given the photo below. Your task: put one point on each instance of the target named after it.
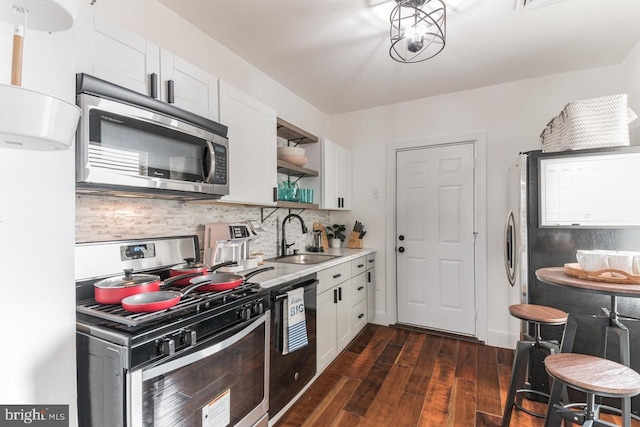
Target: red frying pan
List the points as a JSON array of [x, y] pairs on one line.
[[161, 300], [191, 266], [224, 281]]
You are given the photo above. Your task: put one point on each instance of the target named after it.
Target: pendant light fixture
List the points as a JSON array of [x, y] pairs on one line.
[[31, 120], [417, 30]]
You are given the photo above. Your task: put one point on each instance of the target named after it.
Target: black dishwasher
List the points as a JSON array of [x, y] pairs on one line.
[[289, 373]]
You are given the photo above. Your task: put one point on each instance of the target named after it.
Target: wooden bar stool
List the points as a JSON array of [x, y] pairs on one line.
[[595, 377], [538, 315]]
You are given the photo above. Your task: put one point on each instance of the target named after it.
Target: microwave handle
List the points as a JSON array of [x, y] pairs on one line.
[[211, 167]]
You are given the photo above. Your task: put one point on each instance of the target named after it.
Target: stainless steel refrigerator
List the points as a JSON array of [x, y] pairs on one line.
[[562, 202]]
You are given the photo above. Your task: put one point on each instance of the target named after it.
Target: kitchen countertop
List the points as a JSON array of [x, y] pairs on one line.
[[285, 272]]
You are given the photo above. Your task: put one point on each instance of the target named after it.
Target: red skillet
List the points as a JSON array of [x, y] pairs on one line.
[[224, 281], [191, 266], [161, 300]]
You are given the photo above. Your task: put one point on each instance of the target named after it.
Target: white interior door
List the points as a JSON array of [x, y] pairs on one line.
[[435, 238]]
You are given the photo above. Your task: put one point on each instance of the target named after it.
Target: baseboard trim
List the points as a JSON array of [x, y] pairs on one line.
[[437, 332]]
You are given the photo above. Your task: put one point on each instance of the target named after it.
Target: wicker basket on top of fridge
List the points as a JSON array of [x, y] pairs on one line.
[[589, 123]]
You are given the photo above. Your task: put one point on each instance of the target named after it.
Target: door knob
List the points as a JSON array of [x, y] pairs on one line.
[[401, 237], [400, 249]]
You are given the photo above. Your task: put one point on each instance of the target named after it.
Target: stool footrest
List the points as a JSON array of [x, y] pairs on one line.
[[529, 411], [569, 415]]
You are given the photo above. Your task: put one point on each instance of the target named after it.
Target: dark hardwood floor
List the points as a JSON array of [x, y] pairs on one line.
[[389, 376]]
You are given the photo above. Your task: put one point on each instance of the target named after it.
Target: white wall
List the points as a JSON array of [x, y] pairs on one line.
[[37, 311], [512, 115]]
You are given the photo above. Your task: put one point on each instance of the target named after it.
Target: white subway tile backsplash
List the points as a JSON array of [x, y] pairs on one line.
[[100, 218]]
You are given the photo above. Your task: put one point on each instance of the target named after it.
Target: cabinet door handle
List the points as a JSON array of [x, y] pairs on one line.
[[360, 288], [154, 85], [170, 91], [368, 277], [335, 296], [361, 316], [340, 294], [360, 265], [335, 276], [371, 260]]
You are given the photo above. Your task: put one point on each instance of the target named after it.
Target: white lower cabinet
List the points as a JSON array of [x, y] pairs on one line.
[[326, 329], [371, 285], [342, 310]]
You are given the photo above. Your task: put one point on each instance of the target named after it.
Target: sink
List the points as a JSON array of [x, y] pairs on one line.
[[303, 258]]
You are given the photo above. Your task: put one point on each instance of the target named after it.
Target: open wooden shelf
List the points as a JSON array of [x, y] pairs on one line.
[[294, 134], [294, 170], [296, 205]]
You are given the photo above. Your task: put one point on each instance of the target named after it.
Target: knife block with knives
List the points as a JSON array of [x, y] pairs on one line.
[[355, 238]]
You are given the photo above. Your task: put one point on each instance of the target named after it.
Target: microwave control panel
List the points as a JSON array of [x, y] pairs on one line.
[[220, 173]]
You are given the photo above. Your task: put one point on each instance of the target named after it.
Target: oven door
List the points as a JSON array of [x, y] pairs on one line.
[[222, 381]]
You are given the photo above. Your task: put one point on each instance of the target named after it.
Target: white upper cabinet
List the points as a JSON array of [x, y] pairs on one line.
[[252, 146], [336, 176], [115, 54], [187, 86], [122, 57]]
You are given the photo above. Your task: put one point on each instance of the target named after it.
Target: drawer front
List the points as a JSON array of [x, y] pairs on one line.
[[371, 260], [359, 316], [358, 288], [333, 276], [358, 265]]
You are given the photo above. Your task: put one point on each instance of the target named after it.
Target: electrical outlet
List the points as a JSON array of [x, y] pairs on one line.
[[376, 194]]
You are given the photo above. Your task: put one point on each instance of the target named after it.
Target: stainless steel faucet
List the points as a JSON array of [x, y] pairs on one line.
[[284, 246]]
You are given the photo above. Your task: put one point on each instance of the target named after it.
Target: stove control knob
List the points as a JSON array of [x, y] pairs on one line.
[[167, 346], [245, 313], [259, 307], [189, 337]]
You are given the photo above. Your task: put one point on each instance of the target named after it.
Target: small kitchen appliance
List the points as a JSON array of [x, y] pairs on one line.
[[129, 143], [317, 242], [225, 241], [204, 361]]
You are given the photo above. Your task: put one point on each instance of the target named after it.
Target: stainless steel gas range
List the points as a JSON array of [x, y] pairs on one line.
[[203, 362]]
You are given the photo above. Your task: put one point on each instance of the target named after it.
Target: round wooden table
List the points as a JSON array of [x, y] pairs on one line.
[[610, 320]]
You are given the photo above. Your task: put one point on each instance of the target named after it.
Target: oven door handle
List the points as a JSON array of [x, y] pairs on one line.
[[181, 362], [283, 293]]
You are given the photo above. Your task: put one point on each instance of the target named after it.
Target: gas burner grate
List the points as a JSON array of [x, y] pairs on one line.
[[195, 302]]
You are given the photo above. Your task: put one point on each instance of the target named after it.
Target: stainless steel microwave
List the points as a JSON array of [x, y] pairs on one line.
[[128, 143]]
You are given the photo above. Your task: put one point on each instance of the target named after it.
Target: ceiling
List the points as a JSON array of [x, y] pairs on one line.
[[335, 53]]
